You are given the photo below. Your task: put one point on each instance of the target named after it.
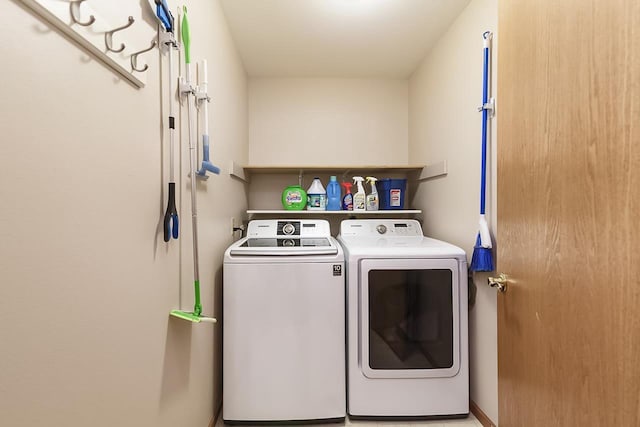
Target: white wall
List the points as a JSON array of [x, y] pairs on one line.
[[86, 280], [444, 124], [326, 121]]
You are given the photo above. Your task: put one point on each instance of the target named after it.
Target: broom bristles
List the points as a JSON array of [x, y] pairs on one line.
[[482, 259]]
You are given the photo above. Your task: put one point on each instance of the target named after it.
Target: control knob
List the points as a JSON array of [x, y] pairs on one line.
[[288, 228]]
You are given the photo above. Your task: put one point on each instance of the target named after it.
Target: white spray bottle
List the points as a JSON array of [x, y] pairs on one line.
[[372, 199], [360, 198]]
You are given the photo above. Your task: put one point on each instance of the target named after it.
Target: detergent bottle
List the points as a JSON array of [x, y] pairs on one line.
[[316, 196], [360, 198], [333, 194], [294, 198], [347, 200], [372, 199]]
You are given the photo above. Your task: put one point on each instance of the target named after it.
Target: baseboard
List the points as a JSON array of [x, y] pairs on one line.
[[481, 416], [216, 415]]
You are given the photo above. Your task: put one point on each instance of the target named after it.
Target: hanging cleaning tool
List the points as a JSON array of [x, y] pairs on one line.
[[202, 98], [373, 203], [482, 259], [347, 200], [186, 89], [164, 15], [170, 222], [360, 198]]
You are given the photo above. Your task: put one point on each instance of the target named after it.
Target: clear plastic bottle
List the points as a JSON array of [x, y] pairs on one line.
[[333, 194], [316, 196]]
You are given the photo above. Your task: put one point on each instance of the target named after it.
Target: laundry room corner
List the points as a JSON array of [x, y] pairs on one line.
[[444, 124], [87, 280]]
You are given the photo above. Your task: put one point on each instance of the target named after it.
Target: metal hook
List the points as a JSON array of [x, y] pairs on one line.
[[108, 36], [91, 20], [134, 58]]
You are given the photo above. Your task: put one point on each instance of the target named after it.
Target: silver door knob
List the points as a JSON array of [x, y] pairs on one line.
[[499, 282]]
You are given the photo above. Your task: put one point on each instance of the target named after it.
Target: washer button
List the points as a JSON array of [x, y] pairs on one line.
[[381, 229]]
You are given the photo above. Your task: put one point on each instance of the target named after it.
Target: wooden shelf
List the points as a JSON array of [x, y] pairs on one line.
[[347, 213], [413, 172], [319, 169]]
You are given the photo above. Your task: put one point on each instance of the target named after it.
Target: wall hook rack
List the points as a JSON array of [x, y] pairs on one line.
[[108, 36], [92, 25], [74, 7], [134, 58]]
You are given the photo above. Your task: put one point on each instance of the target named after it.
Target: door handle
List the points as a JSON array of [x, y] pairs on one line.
[[499, 282]]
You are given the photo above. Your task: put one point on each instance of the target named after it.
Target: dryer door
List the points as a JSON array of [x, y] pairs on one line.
[[409, 318]]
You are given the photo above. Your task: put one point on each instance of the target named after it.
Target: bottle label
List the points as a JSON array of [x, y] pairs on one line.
[[394, 199], [372, 203], [348, 202], [317, 201], [293, 197]]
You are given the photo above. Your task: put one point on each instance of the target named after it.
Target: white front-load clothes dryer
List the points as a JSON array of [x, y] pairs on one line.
[[407, 341], [284, 324]]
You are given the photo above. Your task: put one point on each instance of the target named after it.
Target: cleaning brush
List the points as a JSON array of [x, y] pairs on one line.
[[482, 259]]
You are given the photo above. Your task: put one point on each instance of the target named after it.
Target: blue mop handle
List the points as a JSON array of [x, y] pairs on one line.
[[485, 95]]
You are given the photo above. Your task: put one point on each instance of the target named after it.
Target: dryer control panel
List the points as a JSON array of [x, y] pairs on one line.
[[381, 227]]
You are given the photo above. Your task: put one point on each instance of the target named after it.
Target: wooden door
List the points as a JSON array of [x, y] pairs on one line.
[[569, 212]]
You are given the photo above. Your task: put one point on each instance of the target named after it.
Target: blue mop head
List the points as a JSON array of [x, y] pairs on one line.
[[206, 165], [482, 259]]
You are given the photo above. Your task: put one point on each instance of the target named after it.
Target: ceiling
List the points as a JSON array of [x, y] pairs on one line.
[[337, 38]]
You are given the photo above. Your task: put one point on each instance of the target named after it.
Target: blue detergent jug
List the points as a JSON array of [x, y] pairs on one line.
[[333, 195]]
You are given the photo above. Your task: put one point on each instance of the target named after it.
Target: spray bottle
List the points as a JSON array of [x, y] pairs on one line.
[[347, 200], [372, 199], [360, 198]]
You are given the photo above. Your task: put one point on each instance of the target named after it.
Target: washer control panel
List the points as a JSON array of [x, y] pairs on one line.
[[295, 228], [288, 228]]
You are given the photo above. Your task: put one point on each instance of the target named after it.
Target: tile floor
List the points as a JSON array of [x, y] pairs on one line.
[[471, 421]]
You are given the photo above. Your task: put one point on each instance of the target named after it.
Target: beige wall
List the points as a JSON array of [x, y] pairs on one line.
[[86, 280], [325, 121], [444, 125]]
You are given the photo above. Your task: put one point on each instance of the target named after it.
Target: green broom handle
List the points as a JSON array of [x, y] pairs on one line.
[[186, 36]]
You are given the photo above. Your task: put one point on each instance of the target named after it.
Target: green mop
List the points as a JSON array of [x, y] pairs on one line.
[[196, 315]]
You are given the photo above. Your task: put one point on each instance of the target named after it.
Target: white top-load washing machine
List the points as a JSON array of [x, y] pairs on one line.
[[284, 324], [406, 322]]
